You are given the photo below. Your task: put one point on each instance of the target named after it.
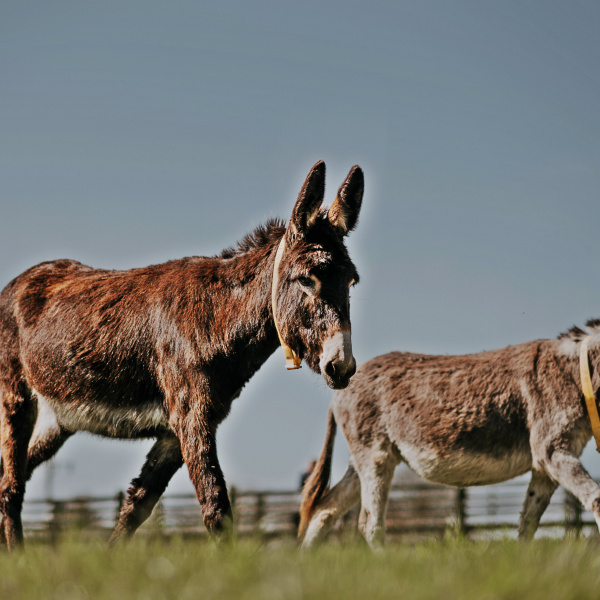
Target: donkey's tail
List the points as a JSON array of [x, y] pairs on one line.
[[318, 481]]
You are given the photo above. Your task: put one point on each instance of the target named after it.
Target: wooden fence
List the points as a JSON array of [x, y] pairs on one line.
[[415, 510]]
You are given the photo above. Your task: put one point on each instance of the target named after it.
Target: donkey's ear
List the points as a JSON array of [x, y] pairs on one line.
[[343, 213], [309, 200]]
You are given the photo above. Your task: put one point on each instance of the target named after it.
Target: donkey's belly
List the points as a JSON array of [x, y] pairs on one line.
[[134, 422], [463, 468]]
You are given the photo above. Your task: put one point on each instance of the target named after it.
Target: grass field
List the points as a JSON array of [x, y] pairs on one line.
[[156, 570]]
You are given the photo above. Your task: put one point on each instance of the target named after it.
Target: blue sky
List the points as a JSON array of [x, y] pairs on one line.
[[136, 132]]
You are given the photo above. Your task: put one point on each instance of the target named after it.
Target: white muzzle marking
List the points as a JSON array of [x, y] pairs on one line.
[[337, 349]]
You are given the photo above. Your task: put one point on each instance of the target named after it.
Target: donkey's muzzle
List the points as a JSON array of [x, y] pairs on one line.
[[337, 362], [337, 376]]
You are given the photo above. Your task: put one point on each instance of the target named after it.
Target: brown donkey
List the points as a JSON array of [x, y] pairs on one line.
[[163, 351], [466, 420]]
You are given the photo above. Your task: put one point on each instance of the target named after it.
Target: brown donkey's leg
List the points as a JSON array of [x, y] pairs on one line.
[[43, 445], [42, 449], [199, 449], [162, 462], [17, 418], [539, 493]]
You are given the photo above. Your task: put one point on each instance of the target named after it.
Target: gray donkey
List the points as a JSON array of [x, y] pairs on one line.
[[465, 420]]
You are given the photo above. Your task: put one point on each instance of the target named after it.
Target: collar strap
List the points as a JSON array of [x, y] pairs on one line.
[[588, 391], [292, 360]]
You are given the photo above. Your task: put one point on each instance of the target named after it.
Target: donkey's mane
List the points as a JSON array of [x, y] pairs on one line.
[[268, 232], [576, 334]]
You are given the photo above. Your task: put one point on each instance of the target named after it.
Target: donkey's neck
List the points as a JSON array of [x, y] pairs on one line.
[[234, 316], [568, 351]]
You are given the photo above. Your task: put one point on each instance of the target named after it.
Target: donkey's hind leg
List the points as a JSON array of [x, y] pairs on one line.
[[42, 447], [162, 462], [539, 493], [334, 505], [17, 419], [47, 438]]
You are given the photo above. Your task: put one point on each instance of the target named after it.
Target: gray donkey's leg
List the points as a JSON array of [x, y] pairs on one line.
[[539, 493], [334, 505], [376, 473], [566, 468]]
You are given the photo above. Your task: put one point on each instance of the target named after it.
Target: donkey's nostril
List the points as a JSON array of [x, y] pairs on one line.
[[330, 369]]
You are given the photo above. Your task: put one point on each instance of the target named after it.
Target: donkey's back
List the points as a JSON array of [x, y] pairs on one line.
[[457, 420]]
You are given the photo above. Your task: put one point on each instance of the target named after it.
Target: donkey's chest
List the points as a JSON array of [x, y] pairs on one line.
[[125, 422]]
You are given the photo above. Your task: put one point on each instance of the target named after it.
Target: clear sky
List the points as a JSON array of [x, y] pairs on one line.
[[134, 132]]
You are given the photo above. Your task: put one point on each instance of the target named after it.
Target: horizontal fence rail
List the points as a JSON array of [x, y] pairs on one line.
[[416, 509]]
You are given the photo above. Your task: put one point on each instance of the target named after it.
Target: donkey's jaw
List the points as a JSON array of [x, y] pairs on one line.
[[337, 363]]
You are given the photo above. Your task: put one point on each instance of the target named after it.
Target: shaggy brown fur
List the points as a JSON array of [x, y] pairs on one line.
[[460, 420], [162, 351]]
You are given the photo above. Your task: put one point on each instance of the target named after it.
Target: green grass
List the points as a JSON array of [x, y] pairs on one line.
[[158, 570]]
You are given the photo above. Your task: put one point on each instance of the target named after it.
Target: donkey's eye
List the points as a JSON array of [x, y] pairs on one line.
[[306, 282]]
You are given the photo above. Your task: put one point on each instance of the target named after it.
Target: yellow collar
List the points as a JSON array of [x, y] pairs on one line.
[[588, 391], [292, 360]]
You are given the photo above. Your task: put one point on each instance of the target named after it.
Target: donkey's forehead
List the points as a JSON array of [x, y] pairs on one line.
[[321, 249], [320, 255], [323, 263], [317, 258]]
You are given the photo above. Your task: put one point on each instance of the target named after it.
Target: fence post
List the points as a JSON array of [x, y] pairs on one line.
[[120, 500], [260, 511], [55, 522], [461, 501], [233, 501]]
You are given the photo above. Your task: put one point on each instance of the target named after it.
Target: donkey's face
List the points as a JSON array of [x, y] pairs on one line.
[[316, 273]]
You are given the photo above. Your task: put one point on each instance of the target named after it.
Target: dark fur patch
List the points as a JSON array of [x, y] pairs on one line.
[[263, 235], [575, 333]]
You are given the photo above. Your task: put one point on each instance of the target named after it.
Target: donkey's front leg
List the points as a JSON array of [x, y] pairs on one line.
[[564, 467], [162, 462], [199, 450]]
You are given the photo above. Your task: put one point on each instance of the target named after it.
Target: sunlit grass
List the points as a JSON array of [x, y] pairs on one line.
[[184, 569]]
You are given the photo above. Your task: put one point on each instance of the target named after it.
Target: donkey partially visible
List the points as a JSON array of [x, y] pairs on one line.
[[462, 421], [162, 351]]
